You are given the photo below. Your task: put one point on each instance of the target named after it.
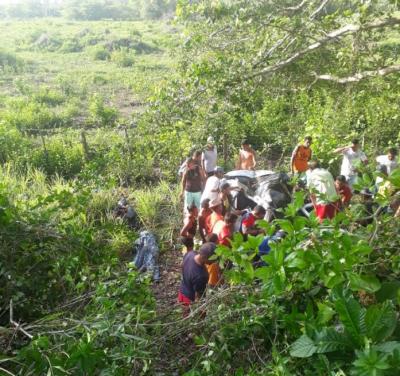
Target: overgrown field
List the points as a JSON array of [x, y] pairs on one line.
[[94, 111], [59, 78]]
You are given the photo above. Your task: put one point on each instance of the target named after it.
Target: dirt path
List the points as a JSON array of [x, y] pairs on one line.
[[166, 290]]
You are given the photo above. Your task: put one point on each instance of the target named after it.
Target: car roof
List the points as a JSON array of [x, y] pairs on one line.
[[248, 173]]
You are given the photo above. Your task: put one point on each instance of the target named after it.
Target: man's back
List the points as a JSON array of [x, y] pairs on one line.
[[322, 181], [194, 277]]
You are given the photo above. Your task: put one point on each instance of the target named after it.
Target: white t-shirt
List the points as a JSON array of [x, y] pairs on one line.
[[383, 160], [321, 180], [210, 159], [212, 184], [351, 159]]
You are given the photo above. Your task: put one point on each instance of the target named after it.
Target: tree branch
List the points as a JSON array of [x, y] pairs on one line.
[[315, 13], [359, 76], [296, 7], [345, 30]]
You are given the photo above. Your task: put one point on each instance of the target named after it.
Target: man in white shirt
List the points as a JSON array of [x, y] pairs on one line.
[[386, 165], [352, 157], [209, 157], [211, 189], [389, 160], [323, 191]]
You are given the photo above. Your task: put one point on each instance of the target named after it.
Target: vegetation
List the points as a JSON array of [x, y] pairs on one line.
[[98, 102], [89, 9]]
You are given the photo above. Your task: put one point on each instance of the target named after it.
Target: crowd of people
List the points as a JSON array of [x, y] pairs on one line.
[[211, 214]]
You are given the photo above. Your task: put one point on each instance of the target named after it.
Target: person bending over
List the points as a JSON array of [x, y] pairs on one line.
[[190, 222], [216, 215], [195, 275], [344, 191], [188, 243], [249, 226], [322, 191], [204, 215]]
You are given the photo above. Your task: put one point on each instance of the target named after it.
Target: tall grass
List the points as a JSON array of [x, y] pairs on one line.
[[159, 210]]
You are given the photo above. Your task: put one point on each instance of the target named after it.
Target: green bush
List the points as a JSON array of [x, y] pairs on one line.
[[100, 113], [60, 158], [123, 58], [70, 46], [101, 53], [26, 115], [9, 61], [48, 96]]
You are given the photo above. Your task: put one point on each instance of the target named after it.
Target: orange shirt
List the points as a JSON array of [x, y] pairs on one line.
[[214, 274], [212, 220], [224, 235], [301, 157]]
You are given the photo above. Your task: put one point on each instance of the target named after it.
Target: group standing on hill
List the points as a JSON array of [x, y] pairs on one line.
[[210, 213]]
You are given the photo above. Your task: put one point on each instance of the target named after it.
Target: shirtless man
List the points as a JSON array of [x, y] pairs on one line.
[[247, 157]]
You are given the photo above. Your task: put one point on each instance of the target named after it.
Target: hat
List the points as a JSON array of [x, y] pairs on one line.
[[210, 140], [218, 169], [215, 202]]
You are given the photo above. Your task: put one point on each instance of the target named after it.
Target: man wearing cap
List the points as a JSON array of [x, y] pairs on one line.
[[211, 188], [209, 157], [216, 215]]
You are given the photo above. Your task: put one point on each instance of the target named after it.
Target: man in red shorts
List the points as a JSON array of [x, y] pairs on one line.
[[195, 275], [323, 191]]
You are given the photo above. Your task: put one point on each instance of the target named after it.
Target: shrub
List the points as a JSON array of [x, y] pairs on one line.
[[100, 53], [9, 61], [71, 45], [48, 96], [59, 158], [25, 115], [100, 113], [122, 58]]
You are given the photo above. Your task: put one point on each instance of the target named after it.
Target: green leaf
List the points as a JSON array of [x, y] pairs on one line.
[[333, 279], [352, 316], [388, 347], [285, 225], [367, 283], [263, 273], [325, 313], [299, 223], [330, 340], [370, 362], [380, 321], [388, 291], [304, 347]]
